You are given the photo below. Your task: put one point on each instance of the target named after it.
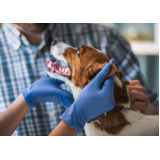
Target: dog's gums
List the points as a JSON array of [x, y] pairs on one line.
[[55, 67]]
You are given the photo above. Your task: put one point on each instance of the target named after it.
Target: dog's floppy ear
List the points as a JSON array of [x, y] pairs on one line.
[[120, 74], [93, 70]]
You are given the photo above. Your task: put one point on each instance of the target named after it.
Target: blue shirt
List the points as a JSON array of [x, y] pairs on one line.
[[22, 63]]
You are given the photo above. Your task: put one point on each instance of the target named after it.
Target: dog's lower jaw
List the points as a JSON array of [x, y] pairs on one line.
[[75, 89]]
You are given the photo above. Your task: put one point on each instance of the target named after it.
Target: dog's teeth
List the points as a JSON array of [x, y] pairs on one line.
[[63, 69], [50, 64], [60, 69], [67, 69]]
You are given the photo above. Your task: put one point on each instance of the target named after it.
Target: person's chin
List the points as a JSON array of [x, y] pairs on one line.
[[33, 27]]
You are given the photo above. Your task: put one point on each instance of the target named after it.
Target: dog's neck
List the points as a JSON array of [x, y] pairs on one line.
[[75, 89]]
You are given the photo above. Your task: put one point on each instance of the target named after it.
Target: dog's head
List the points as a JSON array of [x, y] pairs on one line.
[[83, 64]]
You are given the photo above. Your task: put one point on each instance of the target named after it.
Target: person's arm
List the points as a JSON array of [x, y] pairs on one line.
[[139, 99], [63, 129], [12, 116], [43, 90], [86, 107]]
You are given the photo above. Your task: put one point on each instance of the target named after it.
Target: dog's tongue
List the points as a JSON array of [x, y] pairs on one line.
[[55, 67]]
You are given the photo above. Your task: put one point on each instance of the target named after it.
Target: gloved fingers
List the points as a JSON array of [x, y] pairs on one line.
[[68, 95], [108, 85], [58, 81], [66, 102], [97, 81], [112, 61], [71, 99]]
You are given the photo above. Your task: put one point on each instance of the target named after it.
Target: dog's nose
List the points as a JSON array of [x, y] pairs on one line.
[[54, 42]]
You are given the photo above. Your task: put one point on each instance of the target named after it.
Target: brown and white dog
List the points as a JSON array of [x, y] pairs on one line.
[[83, 64]]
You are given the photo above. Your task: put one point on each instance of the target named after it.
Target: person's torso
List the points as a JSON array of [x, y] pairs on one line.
[[20, 67], [21, 64]]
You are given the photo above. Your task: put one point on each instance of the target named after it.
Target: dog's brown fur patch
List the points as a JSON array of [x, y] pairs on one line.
[[113, 122], [85, 66]]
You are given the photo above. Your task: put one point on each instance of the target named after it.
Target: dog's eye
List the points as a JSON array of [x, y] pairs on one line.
[[77, 51]]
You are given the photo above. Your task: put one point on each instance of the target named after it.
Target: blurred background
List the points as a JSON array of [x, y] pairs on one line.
[[144, 41]]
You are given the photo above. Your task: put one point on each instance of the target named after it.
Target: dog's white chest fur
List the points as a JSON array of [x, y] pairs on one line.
[[140, 125]]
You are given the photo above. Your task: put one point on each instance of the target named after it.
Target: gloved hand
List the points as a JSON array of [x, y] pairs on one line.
[[92, 101], [47, 90]]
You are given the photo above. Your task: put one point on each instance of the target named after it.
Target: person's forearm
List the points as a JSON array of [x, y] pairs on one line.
[[63, 129], [12, 116]]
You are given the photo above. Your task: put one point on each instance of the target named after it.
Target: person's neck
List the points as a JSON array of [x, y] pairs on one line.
[[33, 38]]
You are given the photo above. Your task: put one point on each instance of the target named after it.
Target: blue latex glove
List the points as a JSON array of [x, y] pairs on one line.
[[47, 90], [92, 101]]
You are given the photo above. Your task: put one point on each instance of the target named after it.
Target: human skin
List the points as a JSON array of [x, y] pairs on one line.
[[139, 99], [33, 32], [63, 129], [14, 114]]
